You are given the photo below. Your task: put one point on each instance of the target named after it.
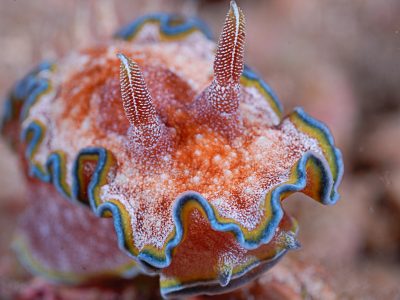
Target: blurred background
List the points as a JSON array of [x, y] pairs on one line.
[[338, 59]]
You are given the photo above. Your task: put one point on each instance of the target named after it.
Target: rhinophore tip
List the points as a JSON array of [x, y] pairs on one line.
[[223, 93], [228, 63], [146, 127]]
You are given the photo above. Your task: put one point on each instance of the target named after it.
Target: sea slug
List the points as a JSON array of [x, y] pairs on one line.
[[178, 142]]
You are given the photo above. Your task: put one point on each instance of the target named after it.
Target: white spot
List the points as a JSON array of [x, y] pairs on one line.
[[251, 179], [217, 158], [227, 173], [167, 158], [196, 179]]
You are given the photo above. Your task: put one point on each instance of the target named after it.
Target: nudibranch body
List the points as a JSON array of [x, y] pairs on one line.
[[176, 140]]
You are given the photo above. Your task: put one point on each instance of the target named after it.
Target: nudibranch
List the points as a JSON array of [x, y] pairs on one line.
[[178, 145]]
